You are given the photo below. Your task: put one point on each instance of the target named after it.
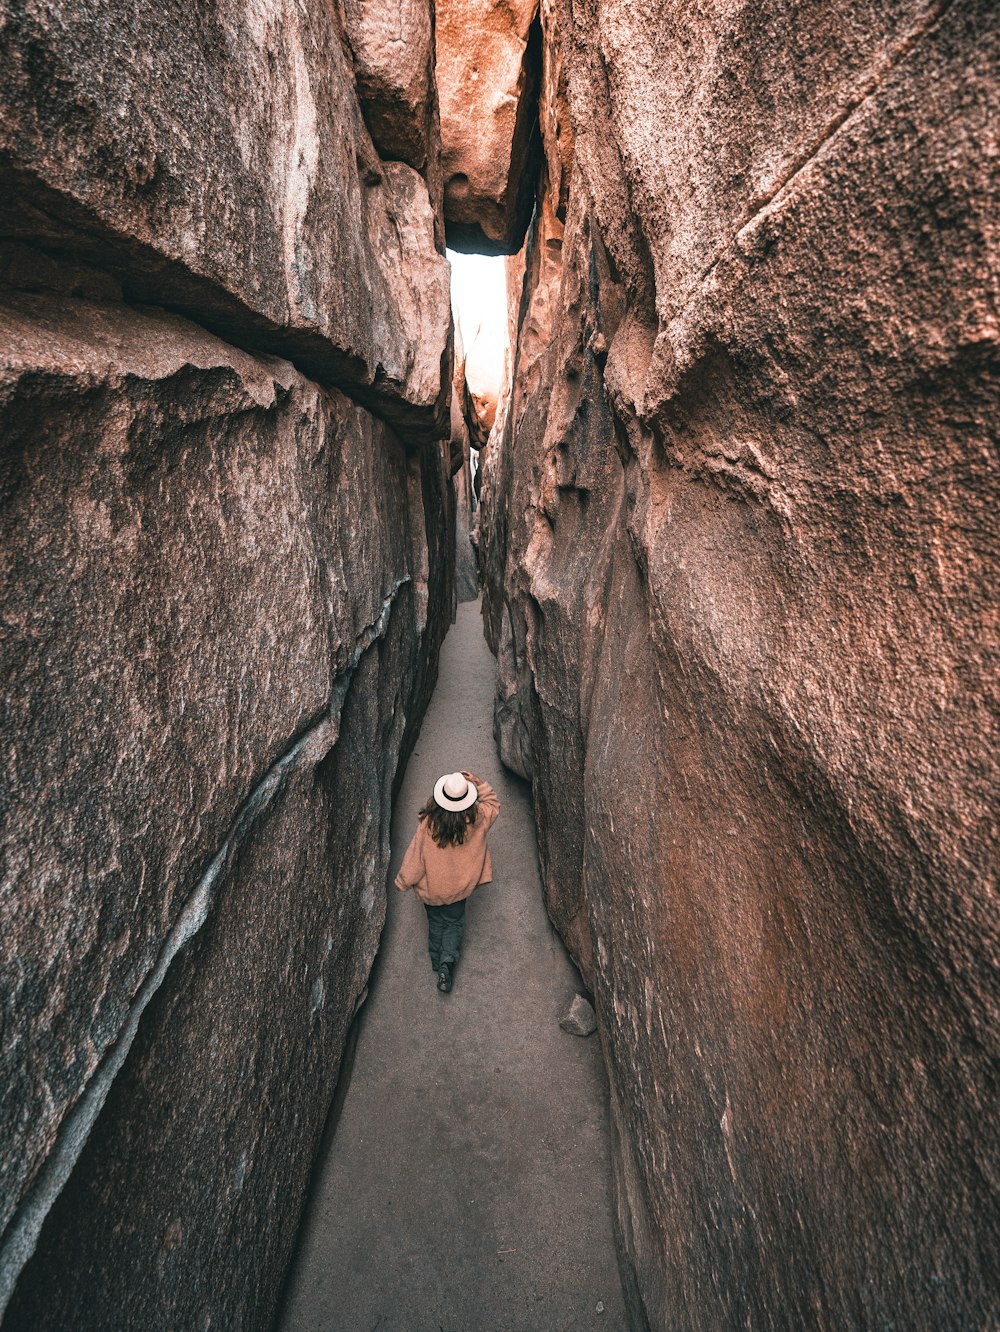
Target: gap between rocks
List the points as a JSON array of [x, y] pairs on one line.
[[467, 1183]]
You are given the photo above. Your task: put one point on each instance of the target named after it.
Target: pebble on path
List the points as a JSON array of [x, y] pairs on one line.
[[579, 1019]]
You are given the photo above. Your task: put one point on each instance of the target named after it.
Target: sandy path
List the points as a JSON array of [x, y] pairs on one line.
[[467, 1185]]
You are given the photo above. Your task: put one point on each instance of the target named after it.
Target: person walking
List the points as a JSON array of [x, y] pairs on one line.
[[447, 860]]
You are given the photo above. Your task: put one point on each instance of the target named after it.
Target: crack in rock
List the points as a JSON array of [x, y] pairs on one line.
[[22, 1234]]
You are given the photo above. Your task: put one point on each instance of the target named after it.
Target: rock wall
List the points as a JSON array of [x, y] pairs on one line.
[[463, 417], [739, 543], [488, 59], [227, 564]]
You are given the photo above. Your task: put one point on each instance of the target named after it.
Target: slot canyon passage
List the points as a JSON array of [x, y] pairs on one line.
[[730, 533]]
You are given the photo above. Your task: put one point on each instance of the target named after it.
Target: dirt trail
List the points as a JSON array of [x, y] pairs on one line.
[[467, 1185]]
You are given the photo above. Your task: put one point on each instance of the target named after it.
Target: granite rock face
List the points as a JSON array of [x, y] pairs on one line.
[[218, 162], [393, 51], [210, 563], [393, 47], [488, 68], [739, 545], [466, 505], [226, 564]]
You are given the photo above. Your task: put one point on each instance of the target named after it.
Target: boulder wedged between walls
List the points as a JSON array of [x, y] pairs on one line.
[[489, 60]]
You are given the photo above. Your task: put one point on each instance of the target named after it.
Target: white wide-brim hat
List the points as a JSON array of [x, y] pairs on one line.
[[455, 792]]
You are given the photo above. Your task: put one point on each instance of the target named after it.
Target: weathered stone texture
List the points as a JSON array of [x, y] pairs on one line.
[[200, 551], [225, 1156], [226, 563], [393, 48], [466, 514], [740, 551], [216, 160], [488, 70]]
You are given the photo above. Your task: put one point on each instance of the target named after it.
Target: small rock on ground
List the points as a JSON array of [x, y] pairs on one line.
[[579, 1019]]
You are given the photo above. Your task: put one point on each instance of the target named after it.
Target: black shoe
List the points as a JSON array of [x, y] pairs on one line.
[[444, 978]]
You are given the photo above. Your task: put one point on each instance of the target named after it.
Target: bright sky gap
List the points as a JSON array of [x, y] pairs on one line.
[[479, 304]]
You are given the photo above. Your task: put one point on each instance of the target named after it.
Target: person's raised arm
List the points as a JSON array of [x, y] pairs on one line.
[[488, 802]]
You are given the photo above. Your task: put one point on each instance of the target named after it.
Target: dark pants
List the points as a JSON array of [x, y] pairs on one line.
[[445, 927]]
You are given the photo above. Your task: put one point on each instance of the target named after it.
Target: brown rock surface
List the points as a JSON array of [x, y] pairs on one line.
[[488, 69], [200, 550], [225, 582], [217, 162], [740, 550], [466, 513], [393, 48]]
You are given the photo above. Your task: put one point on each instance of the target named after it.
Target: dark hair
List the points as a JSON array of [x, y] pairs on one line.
[[447, 826]]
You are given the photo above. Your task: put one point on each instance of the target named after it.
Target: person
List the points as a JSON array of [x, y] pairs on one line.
[[447, 860]]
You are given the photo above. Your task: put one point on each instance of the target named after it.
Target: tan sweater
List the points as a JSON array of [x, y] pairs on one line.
[[443, 874]]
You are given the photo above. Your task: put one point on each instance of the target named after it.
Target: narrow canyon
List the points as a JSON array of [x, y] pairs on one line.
[[733, 521]]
